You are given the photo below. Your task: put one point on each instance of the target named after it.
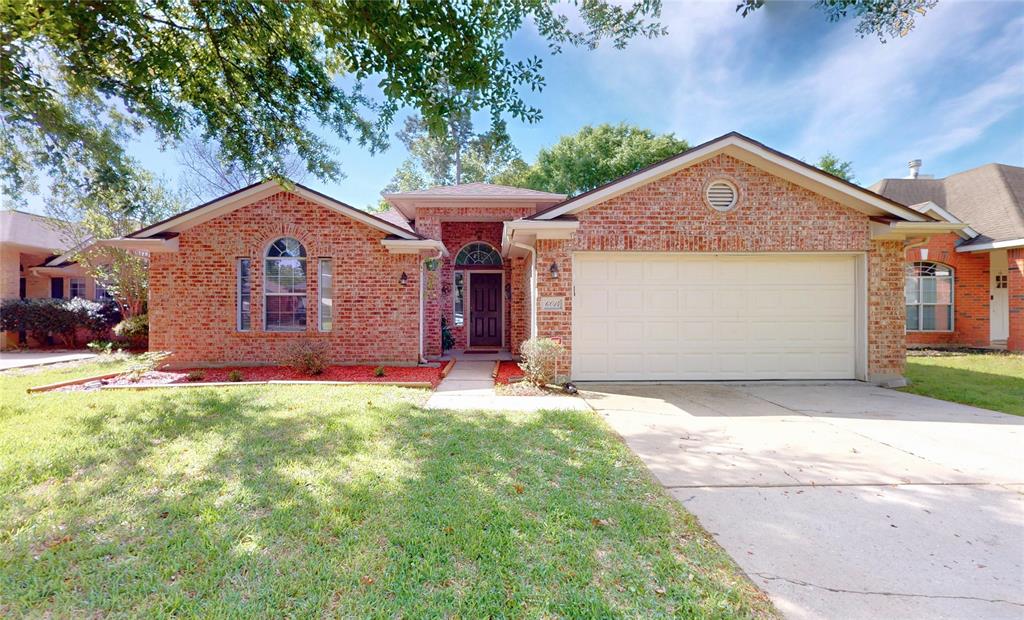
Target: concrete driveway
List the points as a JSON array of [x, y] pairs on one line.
[[842, 500], [26, 359]]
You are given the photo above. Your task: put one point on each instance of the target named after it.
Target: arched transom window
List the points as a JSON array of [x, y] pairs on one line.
[[477, 253], [929, 293], [284, 290]]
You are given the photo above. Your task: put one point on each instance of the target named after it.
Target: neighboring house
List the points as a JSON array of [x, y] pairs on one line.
[[966, 287], [32, 266], [728, 261]]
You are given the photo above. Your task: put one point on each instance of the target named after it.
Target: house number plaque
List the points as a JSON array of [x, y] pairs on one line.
[[552, 304]]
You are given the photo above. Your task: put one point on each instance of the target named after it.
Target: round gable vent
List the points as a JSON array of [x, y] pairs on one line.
[[721, 195]]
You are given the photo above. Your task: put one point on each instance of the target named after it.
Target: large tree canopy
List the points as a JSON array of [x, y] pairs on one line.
[[836, 167], [262, 78], [594, 156]]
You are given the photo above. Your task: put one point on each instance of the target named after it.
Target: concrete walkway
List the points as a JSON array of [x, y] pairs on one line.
[[842, 500], [26, 359], [469, 386]]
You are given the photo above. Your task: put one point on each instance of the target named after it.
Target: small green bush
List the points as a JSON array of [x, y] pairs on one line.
[[540, 360], [134, 329], [141, 364], [235, 376], [307, 356], [195, 375], [378, 371]]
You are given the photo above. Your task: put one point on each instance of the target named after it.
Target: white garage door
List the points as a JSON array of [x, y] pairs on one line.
[[713, 317]]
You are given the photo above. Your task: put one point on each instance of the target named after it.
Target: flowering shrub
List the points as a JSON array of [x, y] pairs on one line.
[[134, 329], [58, 317]]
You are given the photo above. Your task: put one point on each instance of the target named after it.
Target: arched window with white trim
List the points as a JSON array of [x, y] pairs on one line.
[[284, 286], [929, 296]]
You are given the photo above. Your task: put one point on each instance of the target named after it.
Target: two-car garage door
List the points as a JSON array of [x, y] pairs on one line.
[[713, 317]]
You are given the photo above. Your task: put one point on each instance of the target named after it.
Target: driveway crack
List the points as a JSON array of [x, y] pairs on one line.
[[807, 584]]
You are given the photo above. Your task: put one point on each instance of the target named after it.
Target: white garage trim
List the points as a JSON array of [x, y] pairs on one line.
[[714, 307]]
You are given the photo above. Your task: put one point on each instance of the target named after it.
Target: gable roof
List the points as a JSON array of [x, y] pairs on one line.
[[257, 191], [755, 153], [989, 198], [31, 232]]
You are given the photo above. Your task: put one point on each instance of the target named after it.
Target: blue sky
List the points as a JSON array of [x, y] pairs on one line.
[[950, 93]]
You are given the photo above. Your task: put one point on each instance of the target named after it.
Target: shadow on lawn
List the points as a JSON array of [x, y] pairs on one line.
[[258, 500]]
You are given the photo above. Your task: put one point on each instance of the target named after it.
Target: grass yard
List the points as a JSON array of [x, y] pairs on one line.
[[335, 501], [989, 380]]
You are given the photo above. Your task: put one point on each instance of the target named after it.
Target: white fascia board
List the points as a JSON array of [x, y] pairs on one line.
[[229, 203], [519, 232], [414, 246], [141, 245], [993, 245], [934, 209], [863, 196], [903, 230]]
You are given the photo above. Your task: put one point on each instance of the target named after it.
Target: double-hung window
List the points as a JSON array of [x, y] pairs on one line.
[[77, 288], [284, 286], [929, 297]]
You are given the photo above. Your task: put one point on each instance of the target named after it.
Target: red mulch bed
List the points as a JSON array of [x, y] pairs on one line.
[[507, 371], [360, 374]]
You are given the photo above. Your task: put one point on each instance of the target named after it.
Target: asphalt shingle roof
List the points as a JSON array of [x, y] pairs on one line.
[[989, 199]]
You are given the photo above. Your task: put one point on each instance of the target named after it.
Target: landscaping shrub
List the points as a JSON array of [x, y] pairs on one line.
[[61, 318], [195, 375], [134, 329], [141, 364], [378, 371], [235, 376], [105, 347], [540, 360], [307, 356]]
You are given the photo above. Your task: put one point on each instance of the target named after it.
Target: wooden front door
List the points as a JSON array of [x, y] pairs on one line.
[[484, 309]]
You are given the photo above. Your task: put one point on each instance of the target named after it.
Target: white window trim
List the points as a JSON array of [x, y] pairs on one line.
[[951, 304], [320, 297], [266, 310]]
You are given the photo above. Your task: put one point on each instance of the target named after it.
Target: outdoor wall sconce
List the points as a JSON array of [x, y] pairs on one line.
[[554, 270], [404, 279], [445, 289]]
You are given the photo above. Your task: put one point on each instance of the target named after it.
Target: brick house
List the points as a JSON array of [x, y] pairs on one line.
[[966, 287], [34, 263], [728, 261]]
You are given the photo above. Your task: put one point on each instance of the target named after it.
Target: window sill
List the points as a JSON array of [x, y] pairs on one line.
[[930, 331]]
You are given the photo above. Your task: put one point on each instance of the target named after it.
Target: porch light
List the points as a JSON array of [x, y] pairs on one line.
[[554, 270], [404, 279]]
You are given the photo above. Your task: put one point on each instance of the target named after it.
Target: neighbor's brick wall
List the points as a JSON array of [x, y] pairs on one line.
[[772, 215], [1015, 290], [193, 291], [431, 222], [970, 293]]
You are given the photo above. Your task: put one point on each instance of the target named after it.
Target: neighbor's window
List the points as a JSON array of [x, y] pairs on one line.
[[457, 294], [929, 293], [102, 294], [77, 288], [244, 309], [325, 286], [284, 290]]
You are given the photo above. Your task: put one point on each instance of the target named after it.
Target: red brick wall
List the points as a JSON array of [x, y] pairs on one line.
[[772, 215], [970, 293], [430, 222], [193, 291], [1015, 289]]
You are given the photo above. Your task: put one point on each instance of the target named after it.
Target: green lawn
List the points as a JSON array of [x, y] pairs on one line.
[[989, 380], [329, 501]]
